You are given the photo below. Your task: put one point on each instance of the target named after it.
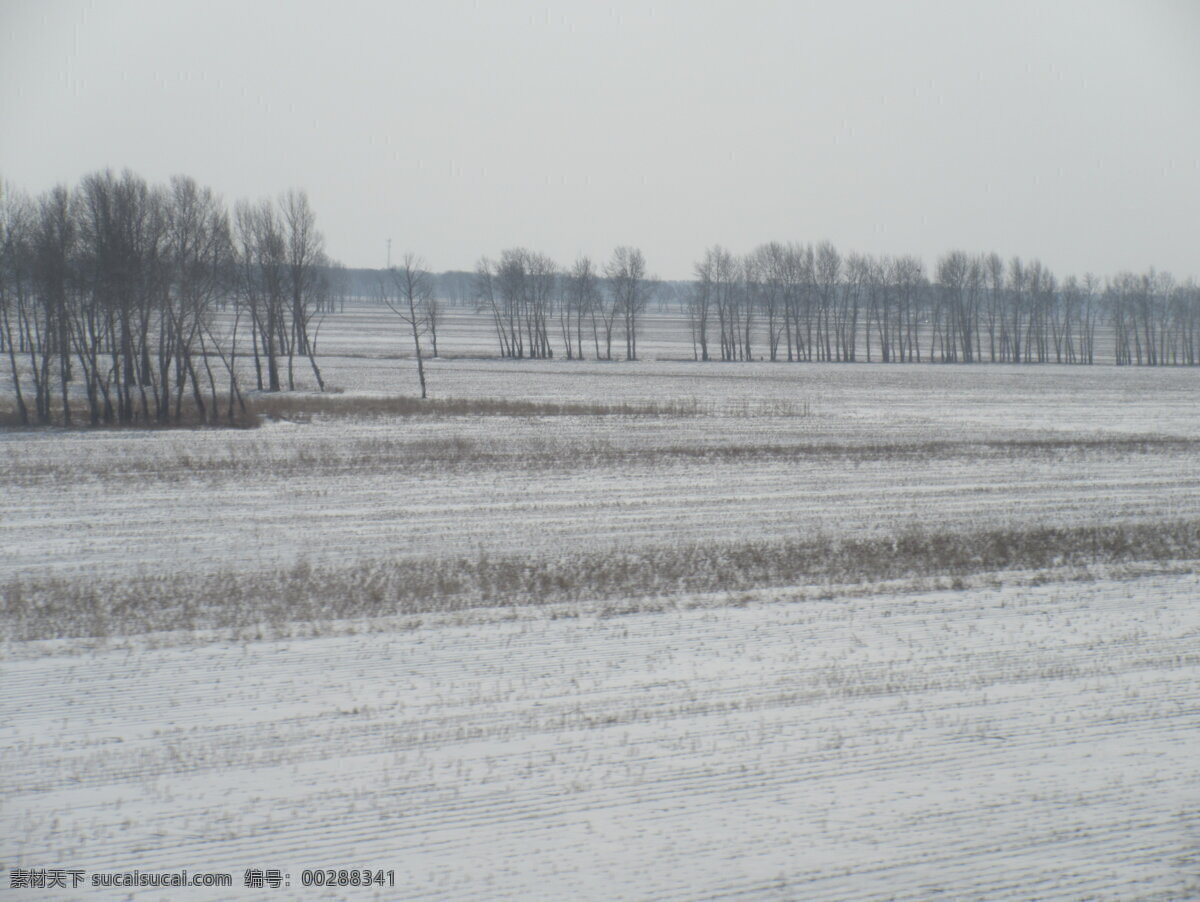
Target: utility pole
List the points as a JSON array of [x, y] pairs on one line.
[[389, 266]]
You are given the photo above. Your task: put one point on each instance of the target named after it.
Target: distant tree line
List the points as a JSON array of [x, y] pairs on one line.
[[123, 302], [113, 287], [537, 309], [806, 303], [534, 307]]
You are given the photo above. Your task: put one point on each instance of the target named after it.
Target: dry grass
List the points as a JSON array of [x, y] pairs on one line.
[[564, 451], [303, 407], [286, 406], [50, 607]]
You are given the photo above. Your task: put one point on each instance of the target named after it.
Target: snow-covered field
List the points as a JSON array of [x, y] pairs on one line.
[[1021, 741], [991, 735]]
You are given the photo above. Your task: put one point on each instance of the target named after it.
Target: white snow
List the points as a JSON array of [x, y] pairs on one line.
[[1017, 741], [1025, 735]]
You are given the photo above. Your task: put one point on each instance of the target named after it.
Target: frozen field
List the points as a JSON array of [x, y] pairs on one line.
[[1021, 741], [771, 451], [940, 731]]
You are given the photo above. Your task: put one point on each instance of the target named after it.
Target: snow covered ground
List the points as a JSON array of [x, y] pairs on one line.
[[774, 451], [1012, 741], [990, 735], [110, 504]]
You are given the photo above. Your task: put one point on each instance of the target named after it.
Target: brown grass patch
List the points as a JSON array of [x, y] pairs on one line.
[[302, 407], [49, 607]]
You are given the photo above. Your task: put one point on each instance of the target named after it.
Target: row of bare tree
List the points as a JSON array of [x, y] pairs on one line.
[[1155, 321], [109, 293], [811, 303], [112, 287], [529, 300]]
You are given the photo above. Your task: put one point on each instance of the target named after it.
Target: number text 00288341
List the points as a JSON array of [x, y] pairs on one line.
[[347, 877]]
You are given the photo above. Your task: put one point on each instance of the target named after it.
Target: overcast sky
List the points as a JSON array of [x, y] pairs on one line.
[[1066, 131]]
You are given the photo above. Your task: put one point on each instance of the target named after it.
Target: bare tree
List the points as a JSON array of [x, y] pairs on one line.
[[954, 324], [908, 277], [55, 239], [541, 292], [198, 253], [16, 222], [607, 309], [305, 260], [113, 289], [828, 275], [626, 272], [119, 269], [721, 273], [770, 272], [701, 302], [433, 319], [261, 261], [512, 282], [993, 269], [339, 288], [487, 297], [1090, 314], [581, 295], [413, 287]]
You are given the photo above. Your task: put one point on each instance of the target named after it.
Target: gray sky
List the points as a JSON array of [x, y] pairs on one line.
[[1068, 131]]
